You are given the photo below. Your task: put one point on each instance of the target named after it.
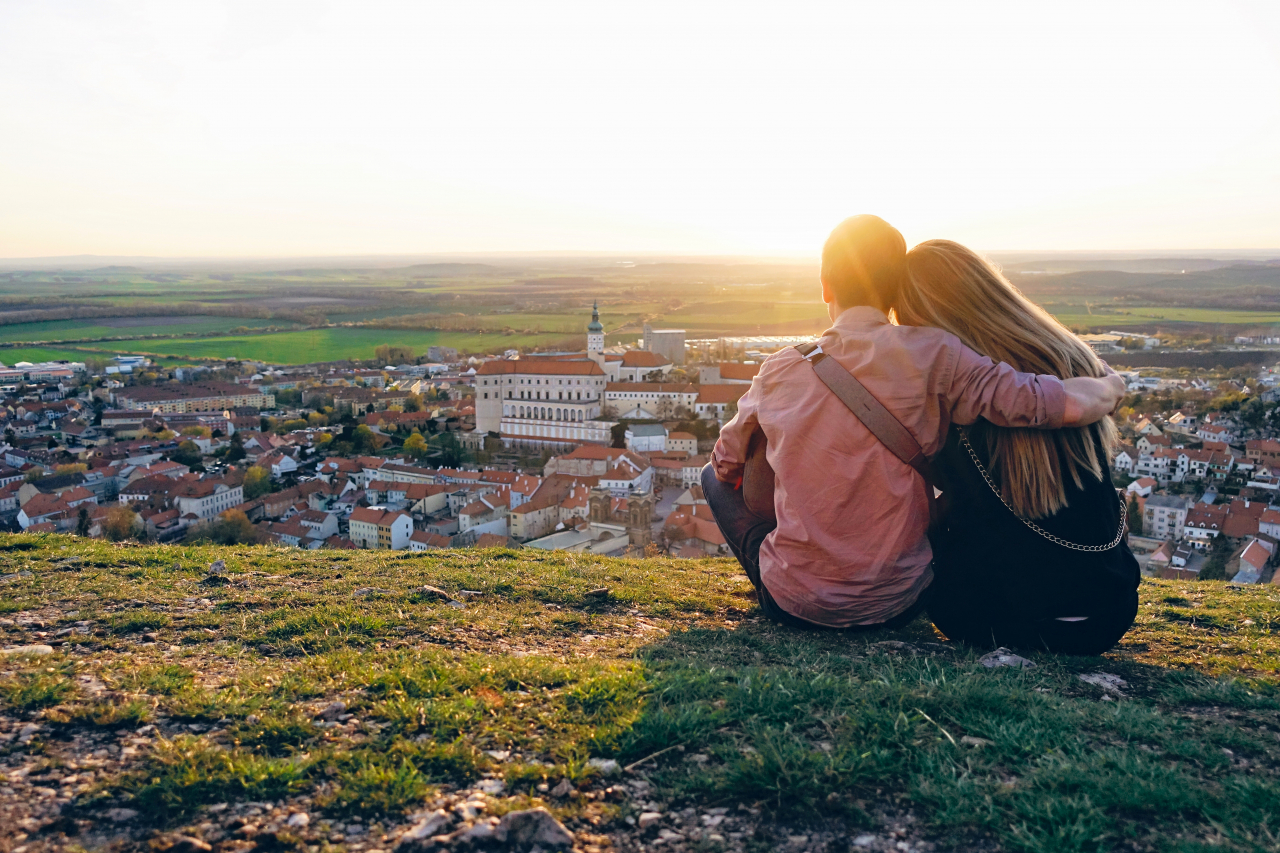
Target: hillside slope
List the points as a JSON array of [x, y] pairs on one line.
[[172, 708]]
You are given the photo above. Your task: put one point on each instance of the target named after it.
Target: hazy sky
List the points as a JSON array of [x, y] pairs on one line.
[[273, 128]]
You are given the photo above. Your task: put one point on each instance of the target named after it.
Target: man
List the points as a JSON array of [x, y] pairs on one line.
[[849, 548]]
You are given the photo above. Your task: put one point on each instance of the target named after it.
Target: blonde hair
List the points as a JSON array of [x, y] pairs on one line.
[[952, 288]]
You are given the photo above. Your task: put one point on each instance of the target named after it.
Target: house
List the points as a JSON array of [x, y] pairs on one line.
[[536, 517], [1142, 487], [1253, 559], [47, 509], [682, 442], [1126, 457], [1161, 558], [1151, 443], [692, 531], [646, 438], [488, 510], [1216, 432], [719, 402], [375, 527], [206, 499], [631, 475], [421, 540], [1203, 524], [1265, 451], [643, 366], [692, 470], [1165, 517], [728, 373]]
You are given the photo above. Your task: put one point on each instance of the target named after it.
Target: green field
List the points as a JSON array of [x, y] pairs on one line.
[[35, 355], [1146, 315], [70, 330], [314, 345]]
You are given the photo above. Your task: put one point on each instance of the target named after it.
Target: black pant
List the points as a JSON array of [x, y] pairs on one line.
[[745, 531]]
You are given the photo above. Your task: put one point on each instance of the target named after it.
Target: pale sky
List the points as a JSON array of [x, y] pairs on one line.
[[266, 128]]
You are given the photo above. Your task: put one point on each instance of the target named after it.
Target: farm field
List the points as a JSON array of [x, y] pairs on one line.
[[35, 355], [313, 345], [121, 327], [1145, 315]]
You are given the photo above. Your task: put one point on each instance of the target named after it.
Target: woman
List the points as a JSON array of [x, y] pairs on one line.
[[1030, 549]]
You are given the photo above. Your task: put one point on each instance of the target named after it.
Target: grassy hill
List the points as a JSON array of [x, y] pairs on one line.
[[178, 709]]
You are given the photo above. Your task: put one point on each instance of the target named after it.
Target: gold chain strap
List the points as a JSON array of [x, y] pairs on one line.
[[1124, 511]]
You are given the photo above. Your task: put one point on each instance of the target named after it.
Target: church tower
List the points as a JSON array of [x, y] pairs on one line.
[[595, 332]]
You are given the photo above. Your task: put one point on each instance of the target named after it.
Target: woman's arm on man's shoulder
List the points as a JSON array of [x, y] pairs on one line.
[[982, 388], [1090, 400]]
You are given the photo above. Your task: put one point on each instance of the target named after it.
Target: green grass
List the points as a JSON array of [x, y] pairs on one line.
[[35, 355], [1144, 316], [70, 330], [314, 345], [676, 671]]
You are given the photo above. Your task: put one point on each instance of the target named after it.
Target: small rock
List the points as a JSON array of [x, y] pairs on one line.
[[797, 840], [28, 732], [480, 834], [601, 592], [648, 819], [605, 766], [421, 833], [864, 841], [298, 820], [469, 593], [1004, 657], [370, 591], [121, 815], [188, 844], [434, 592], [524, 829], [35, 650], [498, 754], [564, 789], [218, 568], [469, 810], [16, 576], [332, 710], [492, 787], [457, 605], [969, 740], [1105, 680]]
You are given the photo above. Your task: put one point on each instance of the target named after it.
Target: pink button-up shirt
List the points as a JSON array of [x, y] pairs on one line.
[[851, 545]]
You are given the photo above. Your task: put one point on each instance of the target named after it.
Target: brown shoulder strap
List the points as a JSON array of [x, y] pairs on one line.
[[874, 416]]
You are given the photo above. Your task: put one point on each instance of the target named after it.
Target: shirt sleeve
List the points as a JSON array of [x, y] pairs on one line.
[[729, 458], [982, 388]]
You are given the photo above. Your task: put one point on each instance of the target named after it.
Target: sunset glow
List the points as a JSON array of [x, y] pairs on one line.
[[227, 129]]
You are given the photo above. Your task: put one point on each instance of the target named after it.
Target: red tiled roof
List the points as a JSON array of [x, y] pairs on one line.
[[643, 358], [541, 367]]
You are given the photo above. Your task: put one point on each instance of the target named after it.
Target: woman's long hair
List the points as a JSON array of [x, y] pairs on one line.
[[952, 288]]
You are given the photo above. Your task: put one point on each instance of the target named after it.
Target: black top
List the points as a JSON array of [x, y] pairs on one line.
[[986, 559]]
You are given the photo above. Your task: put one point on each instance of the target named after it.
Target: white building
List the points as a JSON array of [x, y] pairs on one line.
[[1166, 517], [547, 397], [646, 438], [377, 528]]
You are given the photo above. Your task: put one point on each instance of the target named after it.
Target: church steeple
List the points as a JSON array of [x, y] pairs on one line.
[[595, 331]]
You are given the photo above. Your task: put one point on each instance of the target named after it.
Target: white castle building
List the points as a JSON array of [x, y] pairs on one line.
[[554, 398]]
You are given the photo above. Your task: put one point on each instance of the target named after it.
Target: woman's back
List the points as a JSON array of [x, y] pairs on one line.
[[997, 581]]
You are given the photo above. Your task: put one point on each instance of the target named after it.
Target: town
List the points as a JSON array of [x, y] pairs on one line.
[[597, 451], [594, 451]]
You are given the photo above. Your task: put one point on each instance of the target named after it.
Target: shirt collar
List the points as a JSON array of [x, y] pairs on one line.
[[859, 317]]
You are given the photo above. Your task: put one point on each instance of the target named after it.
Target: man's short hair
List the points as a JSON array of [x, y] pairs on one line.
[[864, 262]]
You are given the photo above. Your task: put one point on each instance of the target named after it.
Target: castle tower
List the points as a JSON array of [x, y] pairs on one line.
[[595, 332]]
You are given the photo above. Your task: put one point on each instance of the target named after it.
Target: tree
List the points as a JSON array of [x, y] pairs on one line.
[[96, 364], [416, 445], [71, 468], [364, 440], [414, 403], [1135, 516], [82, 521], [33, 474], [315, 419], [188, 453], [1215, 569], [236, 452], [257, 482], [121, 523], [233, 527]]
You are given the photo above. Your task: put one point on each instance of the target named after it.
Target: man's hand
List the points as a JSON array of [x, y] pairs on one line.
[[1090, 400]]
